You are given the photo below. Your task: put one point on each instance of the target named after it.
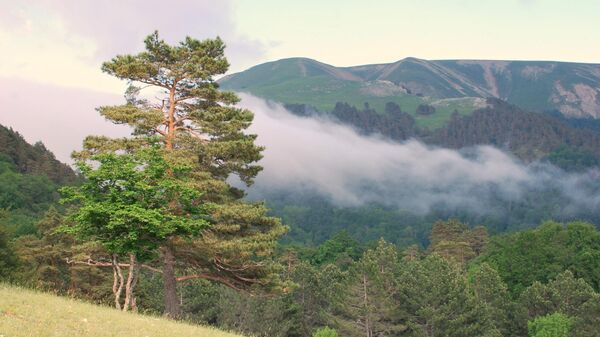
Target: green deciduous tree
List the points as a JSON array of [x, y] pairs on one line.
[[126, 204], [554, 325], [541, 254], [325, 332]]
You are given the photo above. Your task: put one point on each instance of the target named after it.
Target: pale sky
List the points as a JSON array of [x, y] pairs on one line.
[[55, 47]]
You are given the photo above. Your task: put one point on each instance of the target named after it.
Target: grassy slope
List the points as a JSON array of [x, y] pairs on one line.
[[323, 92], [25, 313]]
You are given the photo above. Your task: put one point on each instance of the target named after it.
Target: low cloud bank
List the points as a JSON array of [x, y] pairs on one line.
[[319, 156]]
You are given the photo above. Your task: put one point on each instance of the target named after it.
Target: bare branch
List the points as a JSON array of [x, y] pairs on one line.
[[93, 263]]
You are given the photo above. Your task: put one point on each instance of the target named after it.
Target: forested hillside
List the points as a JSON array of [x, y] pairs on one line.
[[29, 180], [530, 136], [32, 159], [368, 237], [464, 283]]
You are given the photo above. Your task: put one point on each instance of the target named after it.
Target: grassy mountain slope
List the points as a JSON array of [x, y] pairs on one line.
[[24, 313], [305, 81], [571, 88]]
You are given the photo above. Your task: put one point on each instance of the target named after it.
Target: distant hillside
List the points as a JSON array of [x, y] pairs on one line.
[[32, 159], [27, 313], [29, 180], [571, 88], [528, 135]]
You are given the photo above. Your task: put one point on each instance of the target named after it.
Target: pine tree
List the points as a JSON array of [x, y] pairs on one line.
[[370, 309], [46, 261], [489, 289], [436, 300], [198, 125]]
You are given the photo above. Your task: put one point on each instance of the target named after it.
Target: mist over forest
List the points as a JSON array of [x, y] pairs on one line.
[[309, 157], [274, 168]]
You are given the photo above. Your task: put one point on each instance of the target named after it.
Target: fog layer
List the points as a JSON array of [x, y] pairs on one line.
[[320, 156]]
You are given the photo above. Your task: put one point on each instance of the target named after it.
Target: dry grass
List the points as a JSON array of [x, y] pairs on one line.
[[25, 313]]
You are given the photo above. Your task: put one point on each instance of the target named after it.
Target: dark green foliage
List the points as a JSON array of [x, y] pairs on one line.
[[543, 253], [588, 321], [317, 294], [393, 123], [314, 219], [564, 294], [529, 135], [46, 262], [8, 260], [490, 290], [340, 249], [555, 325], [32, 159], [437, 301], [369, 306], [425, 109], [573, 159], [24, 196]]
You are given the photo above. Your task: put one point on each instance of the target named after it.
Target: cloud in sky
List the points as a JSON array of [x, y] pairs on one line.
[[64, 42], [121, 29]]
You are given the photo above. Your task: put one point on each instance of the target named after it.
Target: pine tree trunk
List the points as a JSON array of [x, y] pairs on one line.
[[368, 328], [172, 307]]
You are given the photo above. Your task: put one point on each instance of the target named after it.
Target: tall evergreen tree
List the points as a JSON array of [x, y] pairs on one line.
[[493, 294], [435, 297], [369, 306], [197, 124]]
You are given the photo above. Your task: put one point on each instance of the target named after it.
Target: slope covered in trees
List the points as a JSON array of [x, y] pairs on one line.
[[32, 159], [29, 180], [528, 135], [465, 283]]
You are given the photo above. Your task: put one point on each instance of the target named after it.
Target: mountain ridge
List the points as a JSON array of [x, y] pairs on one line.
[[569, 87]]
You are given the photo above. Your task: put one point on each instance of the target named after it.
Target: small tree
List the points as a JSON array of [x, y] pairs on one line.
[[555, 325], [325, 332], [125, 205]]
